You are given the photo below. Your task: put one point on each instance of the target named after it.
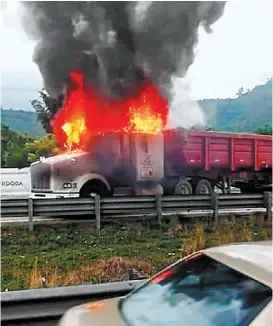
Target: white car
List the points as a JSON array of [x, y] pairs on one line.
[[230, 285]]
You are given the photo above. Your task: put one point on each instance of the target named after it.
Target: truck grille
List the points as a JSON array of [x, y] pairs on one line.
[[40, 176]]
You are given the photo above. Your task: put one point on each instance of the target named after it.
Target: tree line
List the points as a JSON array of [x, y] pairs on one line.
[[20, 150]]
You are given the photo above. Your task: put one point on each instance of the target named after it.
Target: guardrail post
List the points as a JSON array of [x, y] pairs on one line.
[[215, 206], [30, 214], [97, 212], [268, 203], [158, 199]]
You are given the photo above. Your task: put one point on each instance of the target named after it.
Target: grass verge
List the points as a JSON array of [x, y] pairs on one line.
[[76, 254]]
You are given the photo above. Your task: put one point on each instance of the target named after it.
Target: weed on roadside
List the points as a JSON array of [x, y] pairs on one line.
[[76, 254]]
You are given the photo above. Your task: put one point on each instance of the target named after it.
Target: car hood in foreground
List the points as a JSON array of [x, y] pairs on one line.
[[102, 313]]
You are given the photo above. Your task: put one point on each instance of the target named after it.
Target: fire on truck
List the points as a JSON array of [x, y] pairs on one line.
[[113, 144]]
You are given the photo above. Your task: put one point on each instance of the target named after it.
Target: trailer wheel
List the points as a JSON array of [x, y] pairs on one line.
[[183, 187], [203, 187]]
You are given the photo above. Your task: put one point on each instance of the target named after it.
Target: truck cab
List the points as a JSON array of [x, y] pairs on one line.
[[113, 161]]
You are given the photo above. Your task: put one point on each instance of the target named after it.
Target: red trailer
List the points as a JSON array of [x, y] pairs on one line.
[[196, 162]]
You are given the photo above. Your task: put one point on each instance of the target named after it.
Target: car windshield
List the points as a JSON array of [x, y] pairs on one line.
[[197, 291]]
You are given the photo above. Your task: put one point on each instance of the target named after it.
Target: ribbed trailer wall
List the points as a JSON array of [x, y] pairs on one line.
[[231, 151]]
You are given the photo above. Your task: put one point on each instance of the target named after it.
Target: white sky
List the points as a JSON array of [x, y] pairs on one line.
[[237, 54]]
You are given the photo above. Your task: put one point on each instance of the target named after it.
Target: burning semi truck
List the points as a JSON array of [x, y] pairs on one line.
[[181, 163]]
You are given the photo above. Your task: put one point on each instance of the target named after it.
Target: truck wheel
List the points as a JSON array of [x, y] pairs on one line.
[[94, 188], [183, 187], [203, 187]]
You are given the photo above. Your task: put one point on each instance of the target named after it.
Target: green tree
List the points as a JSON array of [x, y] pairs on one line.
[[19, 151], [265, 130], [13, 153], [46, 107], [240, 92], [45, 146]]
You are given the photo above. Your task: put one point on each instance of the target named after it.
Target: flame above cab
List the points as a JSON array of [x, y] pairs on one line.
[[86, 113]]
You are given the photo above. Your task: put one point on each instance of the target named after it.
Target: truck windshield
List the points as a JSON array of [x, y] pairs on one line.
[[199, 291]]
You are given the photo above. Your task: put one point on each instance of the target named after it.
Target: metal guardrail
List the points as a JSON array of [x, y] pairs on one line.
[[46, 306], [133, 208]]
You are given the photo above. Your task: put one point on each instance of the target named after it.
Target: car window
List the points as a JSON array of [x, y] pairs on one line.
[[198, 291]]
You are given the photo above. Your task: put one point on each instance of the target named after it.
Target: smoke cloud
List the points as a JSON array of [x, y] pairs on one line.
[[117, 44], [185, 112]]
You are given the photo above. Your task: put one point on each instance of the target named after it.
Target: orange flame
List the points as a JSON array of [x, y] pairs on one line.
[[73, 131], [86, 113], [143, 120]]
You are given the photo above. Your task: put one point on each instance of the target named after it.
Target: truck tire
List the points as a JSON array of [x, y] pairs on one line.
[[203, 187], [95, 187], [183, 187]]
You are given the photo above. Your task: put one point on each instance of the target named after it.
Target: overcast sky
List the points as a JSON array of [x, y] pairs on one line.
[[237, 54]]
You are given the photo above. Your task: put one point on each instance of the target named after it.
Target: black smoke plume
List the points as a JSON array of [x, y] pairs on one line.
[[116, 44]]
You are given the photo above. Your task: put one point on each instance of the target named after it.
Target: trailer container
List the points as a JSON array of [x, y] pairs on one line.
[[202, 160]]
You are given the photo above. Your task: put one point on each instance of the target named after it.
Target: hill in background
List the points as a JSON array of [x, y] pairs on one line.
[[246, 113], [22, 122]]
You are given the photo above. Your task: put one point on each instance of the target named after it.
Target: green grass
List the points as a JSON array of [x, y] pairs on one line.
[[77, 254]]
